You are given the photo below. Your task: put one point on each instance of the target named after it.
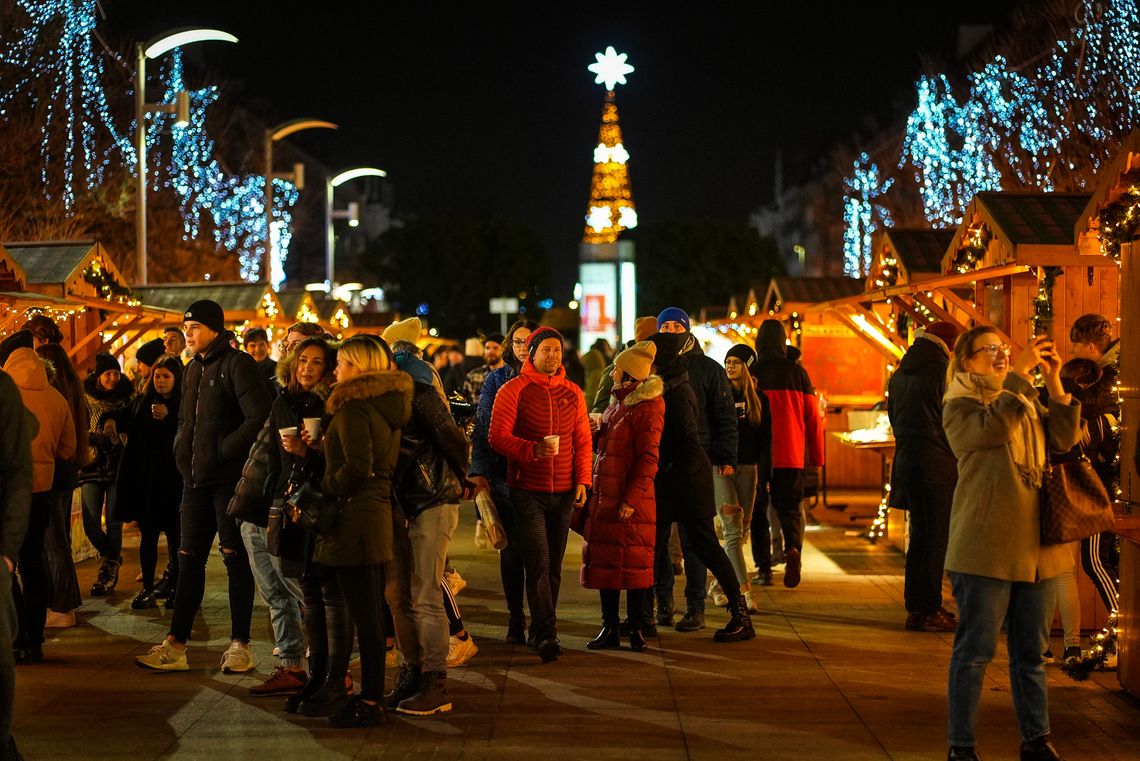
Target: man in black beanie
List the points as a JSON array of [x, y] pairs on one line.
[[224, 405]]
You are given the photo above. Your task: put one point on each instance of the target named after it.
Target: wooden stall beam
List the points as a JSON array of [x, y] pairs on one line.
[[930, 303], [874, 319], [854, 326], [974, 314], [139, 333], [910, 309], [122, 329], [73, 352], [944, 281], [1064, 259]]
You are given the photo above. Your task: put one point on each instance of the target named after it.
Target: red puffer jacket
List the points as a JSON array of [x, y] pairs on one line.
[[618, 554], [530, 407]]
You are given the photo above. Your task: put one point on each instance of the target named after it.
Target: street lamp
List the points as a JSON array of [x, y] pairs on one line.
[[297, 176], [154, 48], [352, 213]]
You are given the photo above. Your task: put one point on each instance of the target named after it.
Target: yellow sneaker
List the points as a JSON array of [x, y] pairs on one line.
[[460, 651], [163, 657]]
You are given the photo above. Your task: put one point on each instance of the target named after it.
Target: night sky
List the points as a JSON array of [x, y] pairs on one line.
[[487, 108]]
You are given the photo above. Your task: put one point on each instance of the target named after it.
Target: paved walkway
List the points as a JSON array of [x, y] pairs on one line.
[[831, 676]]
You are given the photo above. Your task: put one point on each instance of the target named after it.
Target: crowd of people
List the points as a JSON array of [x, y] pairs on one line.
[[332, 478]]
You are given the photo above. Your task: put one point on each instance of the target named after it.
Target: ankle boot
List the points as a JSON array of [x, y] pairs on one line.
[[739, 627], [318, 673], [962, 754], [108, 577], [637, 641], [1039, 749], [607, 638]]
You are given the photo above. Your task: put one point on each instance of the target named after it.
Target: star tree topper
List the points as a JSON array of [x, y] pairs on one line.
[[610, 68]]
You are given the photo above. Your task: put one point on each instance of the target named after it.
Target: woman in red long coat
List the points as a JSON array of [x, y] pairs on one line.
[[621, 521]]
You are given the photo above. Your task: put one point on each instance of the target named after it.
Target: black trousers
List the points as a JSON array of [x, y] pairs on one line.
[[63, 593], [31, 594], [350, 596], [512, 570], [637, 602], [703, 542], [1100, 559], [203, 516], [784, 489], [929, 504], [542, 522], [170, 524]]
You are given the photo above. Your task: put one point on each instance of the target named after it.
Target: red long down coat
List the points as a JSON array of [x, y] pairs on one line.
[[618, 554]]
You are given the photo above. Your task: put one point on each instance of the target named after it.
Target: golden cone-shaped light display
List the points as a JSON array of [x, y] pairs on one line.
[[611, 207]]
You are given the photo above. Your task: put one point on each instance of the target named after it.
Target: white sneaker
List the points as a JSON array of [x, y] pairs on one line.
[[238, 659], [719, 598], [163, 657], [460, 651], [454, 581], [752, 609], [481, 540]]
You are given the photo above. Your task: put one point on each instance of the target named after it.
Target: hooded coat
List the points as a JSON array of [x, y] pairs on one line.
[[924, 461], [618, 554], [17, 471], [103, 456], [56, 435], [716, 411], [224, 405], [148, 483], [361, 446], [527, 409], [796, 424], [684, 482]]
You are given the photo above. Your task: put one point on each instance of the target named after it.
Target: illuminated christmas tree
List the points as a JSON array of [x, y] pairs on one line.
[[611, 197]]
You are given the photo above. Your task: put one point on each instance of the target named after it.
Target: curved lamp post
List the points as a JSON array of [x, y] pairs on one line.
[[297, 177], [154, 48], [351, 214]]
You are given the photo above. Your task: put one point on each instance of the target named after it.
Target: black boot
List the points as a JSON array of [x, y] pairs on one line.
[[1040, 749], [637, 641], [108, 577], [407, 683], [164, 587], [607, 638], [318, 673], [739, 627], [962, 754], [516, 630]]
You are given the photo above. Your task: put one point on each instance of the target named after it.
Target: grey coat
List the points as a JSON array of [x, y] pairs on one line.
[[995, 523]]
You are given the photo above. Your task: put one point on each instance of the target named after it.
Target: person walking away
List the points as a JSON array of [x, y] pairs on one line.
[[753, 456], [369, 405], [107, 391], [621, 523], [430, 479], [1000, 571], [796, 429], [148, 485], [285, 455], [54, 439], [224, 405], [539, 423], [17, 478], [1091, 338], [684, 488], [717, 429], [492, 361], [488, 470], [64, 596], [924, 472]]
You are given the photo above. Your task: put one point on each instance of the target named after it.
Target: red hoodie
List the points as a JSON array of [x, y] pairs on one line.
[[528, 408]]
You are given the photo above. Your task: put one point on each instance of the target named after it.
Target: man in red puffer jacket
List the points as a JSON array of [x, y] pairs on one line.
[[539, 423]]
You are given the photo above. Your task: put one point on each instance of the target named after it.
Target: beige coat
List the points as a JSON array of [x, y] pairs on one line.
[[56, 437], [995, 523]]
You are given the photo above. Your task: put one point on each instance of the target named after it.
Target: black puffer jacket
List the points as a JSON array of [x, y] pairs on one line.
[[684, 482], [224, 405], [149, 487], [755, 441], [923, 458], [103, 458], [716, 415]]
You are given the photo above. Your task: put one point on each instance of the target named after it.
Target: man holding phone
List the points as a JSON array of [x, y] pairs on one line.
[[539, 423]]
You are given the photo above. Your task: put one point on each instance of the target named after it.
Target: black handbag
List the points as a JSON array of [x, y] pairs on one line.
[[315, 511], [422, 478]]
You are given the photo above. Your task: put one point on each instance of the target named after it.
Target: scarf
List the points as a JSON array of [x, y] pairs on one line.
[[1026, 446]]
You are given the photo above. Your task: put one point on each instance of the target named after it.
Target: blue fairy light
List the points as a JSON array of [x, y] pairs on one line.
[[862, 214]]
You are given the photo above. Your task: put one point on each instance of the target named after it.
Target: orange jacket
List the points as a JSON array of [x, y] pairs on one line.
[[528, 408], [56, 436]]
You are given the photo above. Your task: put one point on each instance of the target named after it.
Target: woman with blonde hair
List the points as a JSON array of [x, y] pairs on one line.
[[998, 567], [369, 404]]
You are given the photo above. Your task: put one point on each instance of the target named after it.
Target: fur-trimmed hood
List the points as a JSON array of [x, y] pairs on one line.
[[650, 388], [122, 392], [377, 388]]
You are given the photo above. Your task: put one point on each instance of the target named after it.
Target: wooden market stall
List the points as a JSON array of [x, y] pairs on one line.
[[246, 305], [77, 284]]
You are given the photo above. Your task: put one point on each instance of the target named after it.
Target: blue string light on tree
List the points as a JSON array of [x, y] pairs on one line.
[[234, 206], [56, 46], [862, 216]]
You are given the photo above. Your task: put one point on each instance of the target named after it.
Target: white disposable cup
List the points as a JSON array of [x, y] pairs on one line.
[[553, 441], [596, 417], [290, 431], [313, 426]]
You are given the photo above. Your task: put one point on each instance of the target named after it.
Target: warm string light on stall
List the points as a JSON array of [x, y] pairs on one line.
[[888, 273], [878, 527], [972, 252], [1119, 222]]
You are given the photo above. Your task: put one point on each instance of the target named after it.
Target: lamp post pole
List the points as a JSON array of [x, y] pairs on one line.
[[331, 214], [154, 48]]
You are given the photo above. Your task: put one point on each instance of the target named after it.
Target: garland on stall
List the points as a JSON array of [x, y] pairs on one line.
[[1120, 222], [1043, 302], [973, 250], [104, 284]]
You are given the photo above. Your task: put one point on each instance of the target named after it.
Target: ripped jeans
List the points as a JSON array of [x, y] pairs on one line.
[[203, 516]]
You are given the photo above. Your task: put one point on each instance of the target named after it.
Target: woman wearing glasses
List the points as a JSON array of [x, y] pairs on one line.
[[999, 570]]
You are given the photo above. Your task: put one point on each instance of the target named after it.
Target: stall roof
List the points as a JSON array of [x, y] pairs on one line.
[[1037, 219], [66, 268], [232, 297], [919, 250], [1112, 180], [49, 262], [809, 290]]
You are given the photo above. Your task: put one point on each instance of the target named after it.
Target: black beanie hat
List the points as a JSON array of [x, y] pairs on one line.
[[105, 362], [207, 312], [21, 339], [497, 338], [150, 351], [742, 352], [539, 335]]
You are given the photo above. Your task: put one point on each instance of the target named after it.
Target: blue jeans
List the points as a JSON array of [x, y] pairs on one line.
[[282, 595], [96, 495], [983, 605], [738, 490]]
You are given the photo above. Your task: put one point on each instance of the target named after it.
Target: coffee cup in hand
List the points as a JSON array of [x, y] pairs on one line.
[[313, 427], [551, 443], [290, 432]]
